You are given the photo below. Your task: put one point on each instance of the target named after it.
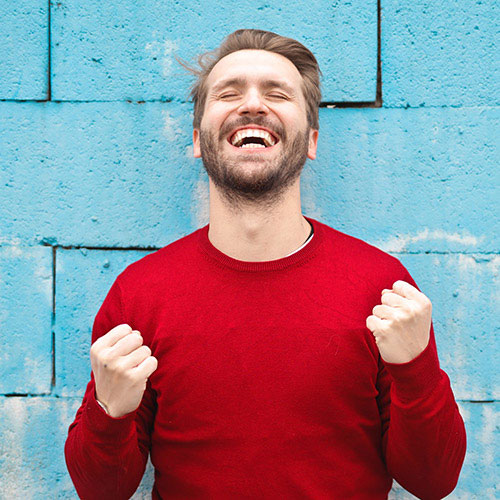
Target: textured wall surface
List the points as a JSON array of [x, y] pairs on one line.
[[96, 170]]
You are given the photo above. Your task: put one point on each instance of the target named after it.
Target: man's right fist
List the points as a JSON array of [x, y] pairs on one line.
[[121, 367]]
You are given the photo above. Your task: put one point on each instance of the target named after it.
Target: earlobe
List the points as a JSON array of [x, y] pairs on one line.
[[313, 144], [196, 143]]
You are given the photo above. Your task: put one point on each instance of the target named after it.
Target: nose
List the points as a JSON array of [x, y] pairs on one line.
[[253, 104]]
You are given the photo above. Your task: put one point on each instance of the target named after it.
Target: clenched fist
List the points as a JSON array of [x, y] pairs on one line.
[[121, 367], [401, 324]]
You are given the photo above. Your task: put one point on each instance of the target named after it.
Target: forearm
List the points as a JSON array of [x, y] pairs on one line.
[[102, 454], [425, 452], [426, 441]]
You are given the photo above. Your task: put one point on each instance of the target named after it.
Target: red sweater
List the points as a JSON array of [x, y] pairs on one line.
[[269, 385]]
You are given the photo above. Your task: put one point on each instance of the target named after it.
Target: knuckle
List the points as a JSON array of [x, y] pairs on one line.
[[113, 367], [105, 357], [136, 339], [129, 376], [154, 362], [122, 365], [414, 310], [146, 350], [389, 323]]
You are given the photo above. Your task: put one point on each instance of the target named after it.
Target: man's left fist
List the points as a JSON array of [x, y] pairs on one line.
[[401, 324]]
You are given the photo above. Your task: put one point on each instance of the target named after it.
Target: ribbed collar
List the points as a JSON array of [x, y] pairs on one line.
[[300, 256]]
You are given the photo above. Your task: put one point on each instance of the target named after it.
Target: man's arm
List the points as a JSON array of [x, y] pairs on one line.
[[423, 433], [106, 451]]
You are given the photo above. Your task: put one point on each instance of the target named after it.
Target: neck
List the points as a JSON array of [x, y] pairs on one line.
[[257, 233]]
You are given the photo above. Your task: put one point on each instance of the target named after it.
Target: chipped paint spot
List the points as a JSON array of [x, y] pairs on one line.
[[12, 451], [471, 273], [464, 411], [201, 211], [401, 243], [457, 358], [477, 263], [309, 195], [189, 153], [487, 434], [16, 242], [481, 268], [43, 281], [3, 324], [171, 128], [38, 372], [11, 251], [163, 50]]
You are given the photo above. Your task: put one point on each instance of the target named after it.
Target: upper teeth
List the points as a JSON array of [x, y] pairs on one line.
[[252, 132]]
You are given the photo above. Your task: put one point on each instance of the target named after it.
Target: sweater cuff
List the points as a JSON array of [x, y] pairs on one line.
[[104, 426], [417, 377]]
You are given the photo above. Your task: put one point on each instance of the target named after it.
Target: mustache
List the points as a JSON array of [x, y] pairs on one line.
[[258, 120]]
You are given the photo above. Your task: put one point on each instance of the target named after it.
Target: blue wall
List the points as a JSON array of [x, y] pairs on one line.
[[96, 170]]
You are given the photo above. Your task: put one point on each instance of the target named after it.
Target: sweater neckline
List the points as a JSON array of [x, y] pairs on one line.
[[295, 258]]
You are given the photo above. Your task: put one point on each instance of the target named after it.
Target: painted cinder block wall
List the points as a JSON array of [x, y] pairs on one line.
[[96, 170]]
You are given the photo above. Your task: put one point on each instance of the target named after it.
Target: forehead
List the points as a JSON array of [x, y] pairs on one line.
[[254, 66]]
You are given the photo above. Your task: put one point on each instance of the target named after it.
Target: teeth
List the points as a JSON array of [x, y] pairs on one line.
[[246, 146], [251, 132]]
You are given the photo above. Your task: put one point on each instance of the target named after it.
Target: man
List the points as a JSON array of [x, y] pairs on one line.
[[265, 355]]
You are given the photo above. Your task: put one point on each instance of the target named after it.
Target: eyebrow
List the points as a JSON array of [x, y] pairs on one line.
[[241, 82]]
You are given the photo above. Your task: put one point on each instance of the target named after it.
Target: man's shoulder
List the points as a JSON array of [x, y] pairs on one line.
[[363, 256]]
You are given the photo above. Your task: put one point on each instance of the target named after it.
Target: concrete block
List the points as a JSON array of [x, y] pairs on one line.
[[440, 53], [25, 319], [24, 49], [98, 174], [83, 278], [464, 291], [408, 179], [115, 51]]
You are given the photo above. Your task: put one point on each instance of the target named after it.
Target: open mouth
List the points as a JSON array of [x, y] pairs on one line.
[[252, 138]]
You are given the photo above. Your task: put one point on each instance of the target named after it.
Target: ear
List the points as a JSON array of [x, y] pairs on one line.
[[196, 143], [313, 144]]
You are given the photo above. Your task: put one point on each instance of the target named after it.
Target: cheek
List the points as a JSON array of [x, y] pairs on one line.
[[216, 114]]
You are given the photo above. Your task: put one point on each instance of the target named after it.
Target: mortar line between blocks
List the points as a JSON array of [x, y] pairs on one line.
[[53, 320], [378, 95], [154, 248], [49, 54]]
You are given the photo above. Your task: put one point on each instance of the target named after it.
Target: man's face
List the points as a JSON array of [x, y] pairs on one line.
[[254, 97]]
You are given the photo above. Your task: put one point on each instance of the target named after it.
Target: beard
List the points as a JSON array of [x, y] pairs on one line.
[[265, 184]]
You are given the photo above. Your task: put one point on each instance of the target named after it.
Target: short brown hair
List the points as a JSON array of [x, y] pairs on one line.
[[243, 39]]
